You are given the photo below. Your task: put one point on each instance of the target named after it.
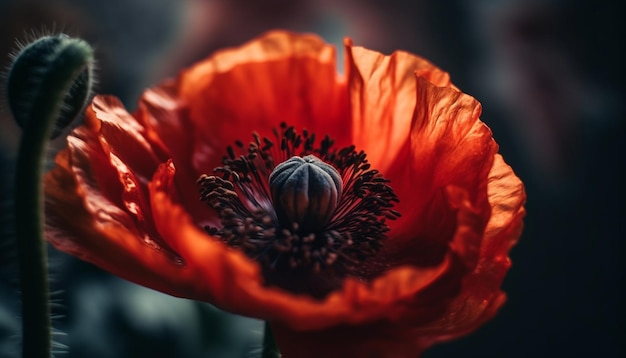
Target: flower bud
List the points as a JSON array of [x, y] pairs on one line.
[[52, 73], [306, 192]]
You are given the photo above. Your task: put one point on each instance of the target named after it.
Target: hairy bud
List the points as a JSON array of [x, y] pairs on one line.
[[52, 73]]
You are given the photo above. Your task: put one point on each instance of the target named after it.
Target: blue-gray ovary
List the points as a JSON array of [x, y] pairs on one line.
[[305, 192]]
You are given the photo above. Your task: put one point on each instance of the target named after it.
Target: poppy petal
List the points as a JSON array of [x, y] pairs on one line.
[[382, 96], [480, 296], [448, 147], [82, 220], [279, 77], [168, 126]]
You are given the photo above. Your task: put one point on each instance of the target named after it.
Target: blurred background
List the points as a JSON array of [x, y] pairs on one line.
[[548, 73]]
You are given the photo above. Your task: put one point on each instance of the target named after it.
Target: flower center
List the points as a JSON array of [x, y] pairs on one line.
[[305, 192], [320, 212]]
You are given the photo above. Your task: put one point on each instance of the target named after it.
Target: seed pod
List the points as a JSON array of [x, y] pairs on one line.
[[306, 192]]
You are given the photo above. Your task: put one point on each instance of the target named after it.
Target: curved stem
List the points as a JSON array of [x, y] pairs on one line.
[[31, 249], [270, 349], [67, 64]]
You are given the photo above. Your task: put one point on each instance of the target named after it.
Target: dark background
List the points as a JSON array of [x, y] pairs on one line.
[[548, 73]]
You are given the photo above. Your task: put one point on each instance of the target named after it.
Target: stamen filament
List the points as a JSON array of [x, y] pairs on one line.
[[290, 217]]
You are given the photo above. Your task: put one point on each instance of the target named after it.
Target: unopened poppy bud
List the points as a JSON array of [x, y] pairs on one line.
[[305, 192], [50, 73]]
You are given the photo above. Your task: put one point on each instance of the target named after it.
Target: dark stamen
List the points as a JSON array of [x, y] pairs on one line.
[[332, 239]]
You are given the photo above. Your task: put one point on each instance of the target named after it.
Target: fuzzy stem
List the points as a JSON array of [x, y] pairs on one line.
[[270, 349], [66, 65]]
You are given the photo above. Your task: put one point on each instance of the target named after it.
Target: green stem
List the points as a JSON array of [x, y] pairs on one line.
[[270, 349], [68, 62]]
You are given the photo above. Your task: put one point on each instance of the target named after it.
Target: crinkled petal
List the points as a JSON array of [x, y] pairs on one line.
[[427, 137], [279, 77], [480, 296], [507, 198], [448, 146], [382, 99], [86, 217], [168, 126]]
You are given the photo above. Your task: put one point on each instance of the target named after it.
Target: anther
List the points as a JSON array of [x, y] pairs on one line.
[[322, 210]]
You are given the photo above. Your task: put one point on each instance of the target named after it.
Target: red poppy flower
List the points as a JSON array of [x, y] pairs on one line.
[[126, 196]]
